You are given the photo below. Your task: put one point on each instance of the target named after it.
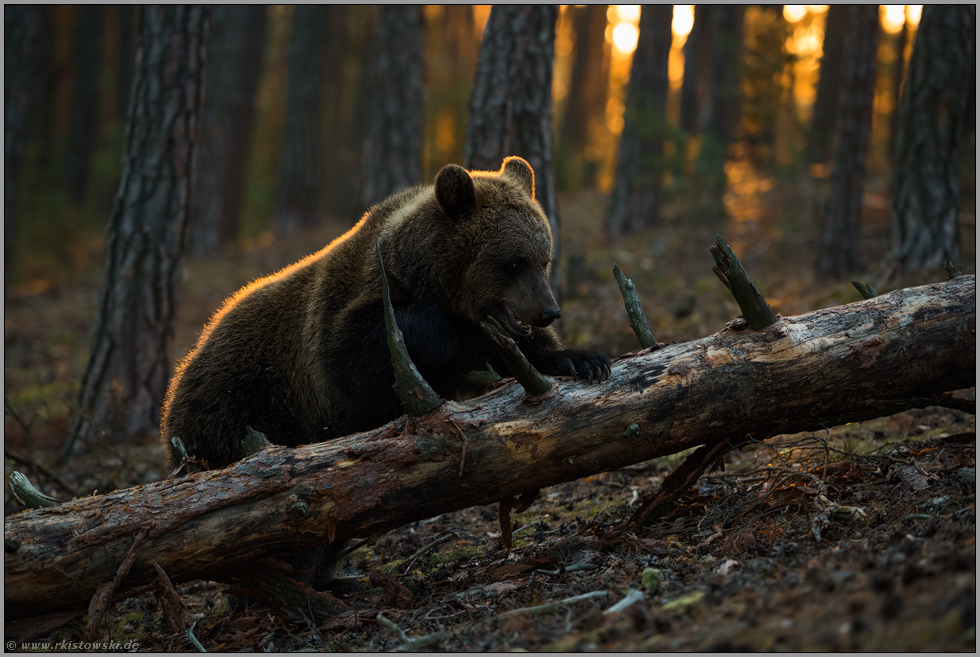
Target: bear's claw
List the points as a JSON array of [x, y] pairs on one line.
[[589, 364]]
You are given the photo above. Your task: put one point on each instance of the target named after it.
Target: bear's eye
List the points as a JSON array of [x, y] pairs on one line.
[[516, 265]]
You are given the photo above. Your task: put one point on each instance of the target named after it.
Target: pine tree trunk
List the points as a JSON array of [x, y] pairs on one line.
[[824, 119], [842, 216], [763, 62], [725, 29], [234, 64], [720, 106], [898, 73], [301, 160], [937, 107], [130, 358], [21, 25], [510, 106], [695, 54], [392, 159], [84, 125], [639, 172]]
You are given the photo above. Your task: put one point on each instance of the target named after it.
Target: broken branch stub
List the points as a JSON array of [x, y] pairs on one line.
[[530, 378], [755, 308], [867, 290], [638, 319], [27, 494], [415, 393]]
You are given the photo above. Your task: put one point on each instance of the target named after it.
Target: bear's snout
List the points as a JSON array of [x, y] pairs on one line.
[[548, 316]]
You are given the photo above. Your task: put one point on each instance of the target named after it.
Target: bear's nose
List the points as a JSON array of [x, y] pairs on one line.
[[549, 315]]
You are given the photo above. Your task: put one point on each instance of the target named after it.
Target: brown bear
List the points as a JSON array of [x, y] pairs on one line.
[[302, 355]]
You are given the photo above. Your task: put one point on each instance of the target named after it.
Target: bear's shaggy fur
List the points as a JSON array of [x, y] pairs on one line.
[[302, 355]]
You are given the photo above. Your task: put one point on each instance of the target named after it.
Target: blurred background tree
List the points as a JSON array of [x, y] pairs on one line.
[[20, 30], [852, 134], [234, 66], [85, 115], [302, 158], [394, 80], [635, 200]]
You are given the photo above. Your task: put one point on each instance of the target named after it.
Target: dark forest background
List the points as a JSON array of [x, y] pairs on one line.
[[286, 135]]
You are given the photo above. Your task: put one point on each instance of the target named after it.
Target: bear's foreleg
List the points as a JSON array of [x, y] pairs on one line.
[[544, 350]]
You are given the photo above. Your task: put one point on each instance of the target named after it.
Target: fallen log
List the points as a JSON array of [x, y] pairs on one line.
[[905, 349]]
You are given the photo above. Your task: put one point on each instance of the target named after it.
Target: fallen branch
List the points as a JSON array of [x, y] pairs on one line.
[[105, 591], [850, 363], [557, 604]]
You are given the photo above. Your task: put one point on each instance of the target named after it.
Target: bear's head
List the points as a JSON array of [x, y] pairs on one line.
[[503, 243]]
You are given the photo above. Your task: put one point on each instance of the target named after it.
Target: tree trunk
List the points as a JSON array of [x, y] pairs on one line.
[[21, 24], [824, 119], [763, 62], [84, 126], [842, 216], [510, 106], [695, 54], [901, 350], [635, 200], [937, 107], [898, 73], [301, 160], [587, 92], [392, 143], [130, 359], [234, 64], [725, 29], [720, 106]]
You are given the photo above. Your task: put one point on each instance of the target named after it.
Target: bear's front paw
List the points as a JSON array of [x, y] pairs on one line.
[[589, 364]]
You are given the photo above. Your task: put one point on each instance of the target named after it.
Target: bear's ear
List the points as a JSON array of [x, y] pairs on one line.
[[454, 190], [518, 170]]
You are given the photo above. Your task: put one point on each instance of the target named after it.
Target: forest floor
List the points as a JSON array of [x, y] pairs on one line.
[[748, 560]]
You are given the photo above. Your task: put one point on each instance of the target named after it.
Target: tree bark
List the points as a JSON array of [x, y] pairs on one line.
[[937, 107], [819, 146], [21, 25], [129, 366], [234, 64], [635, 200], [510, 106], [900, 350], [392, 142], [842, 216], [301, 161]]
